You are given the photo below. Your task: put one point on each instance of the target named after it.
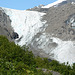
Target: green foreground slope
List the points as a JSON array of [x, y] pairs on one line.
[[16, 60]]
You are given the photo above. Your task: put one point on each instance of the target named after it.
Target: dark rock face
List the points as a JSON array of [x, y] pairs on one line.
[[5, 25], [15, 35]]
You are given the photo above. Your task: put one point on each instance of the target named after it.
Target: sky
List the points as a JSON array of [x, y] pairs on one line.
[[23, 4]]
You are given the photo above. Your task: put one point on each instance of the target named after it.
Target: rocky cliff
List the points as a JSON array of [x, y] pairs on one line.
[[5, 25]]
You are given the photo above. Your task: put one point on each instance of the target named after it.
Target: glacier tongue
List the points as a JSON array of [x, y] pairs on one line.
[[25, 23]]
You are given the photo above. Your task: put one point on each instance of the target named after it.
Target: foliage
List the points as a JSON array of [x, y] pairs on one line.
[[16, 60]]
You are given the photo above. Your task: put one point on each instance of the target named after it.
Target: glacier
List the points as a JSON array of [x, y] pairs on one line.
[[28, 23], [25, 23]]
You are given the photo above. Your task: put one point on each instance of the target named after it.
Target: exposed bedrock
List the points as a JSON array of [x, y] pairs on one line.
[[5, 26], [61, 21]]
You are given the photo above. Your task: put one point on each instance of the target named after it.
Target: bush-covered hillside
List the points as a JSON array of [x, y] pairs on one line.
[[16, 60]]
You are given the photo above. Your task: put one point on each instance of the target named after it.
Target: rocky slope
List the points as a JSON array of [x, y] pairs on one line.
[[5, 25], [49, 32], [60, 22]]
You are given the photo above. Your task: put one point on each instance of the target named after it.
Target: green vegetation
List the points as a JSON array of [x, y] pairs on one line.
[[16, 60]]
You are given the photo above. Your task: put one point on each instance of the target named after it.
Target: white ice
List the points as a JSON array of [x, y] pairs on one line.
[[25, 23], [53, 4], [65, 51]]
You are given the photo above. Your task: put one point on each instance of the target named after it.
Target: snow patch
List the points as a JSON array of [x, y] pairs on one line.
[[53, 4]]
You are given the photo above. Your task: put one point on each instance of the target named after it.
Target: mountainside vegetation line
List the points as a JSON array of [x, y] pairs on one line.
[[16, 60]]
